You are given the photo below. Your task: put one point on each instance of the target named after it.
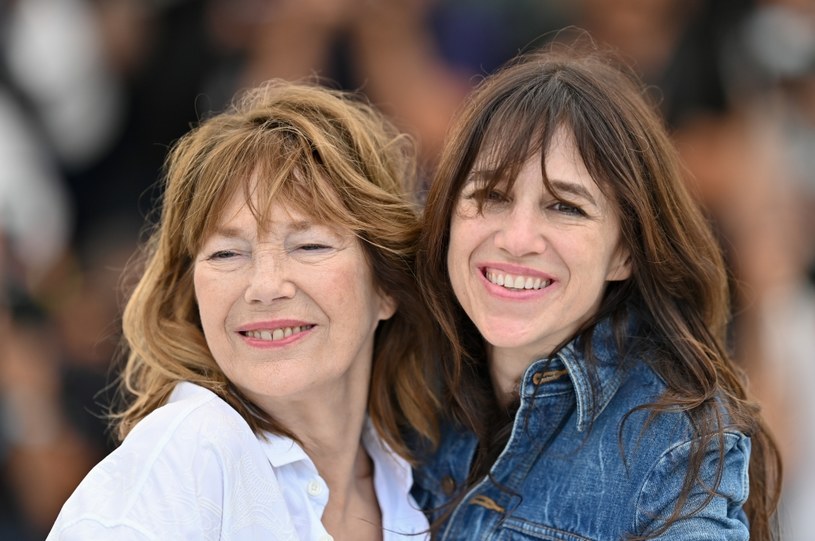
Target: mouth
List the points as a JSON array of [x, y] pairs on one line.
[[273, 335], [515, 282]]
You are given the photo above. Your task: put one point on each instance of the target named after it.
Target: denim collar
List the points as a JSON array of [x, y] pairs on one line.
[[609, 369]]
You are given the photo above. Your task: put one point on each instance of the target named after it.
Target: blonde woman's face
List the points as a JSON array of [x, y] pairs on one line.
[[289, 312]]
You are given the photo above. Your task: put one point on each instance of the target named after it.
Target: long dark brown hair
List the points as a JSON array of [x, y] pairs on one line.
[[678, 284]]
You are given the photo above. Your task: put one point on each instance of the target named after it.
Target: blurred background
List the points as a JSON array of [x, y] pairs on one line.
[[92, 93]]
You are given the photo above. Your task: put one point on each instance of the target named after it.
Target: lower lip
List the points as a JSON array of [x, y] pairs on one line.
[[514, 294], [272, 344]]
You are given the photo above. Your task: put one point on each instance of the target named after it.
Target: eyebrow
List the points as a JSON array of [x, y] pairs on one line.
[[564, 186], [224, 231], [302, 225], [236, 232], [573, 188]]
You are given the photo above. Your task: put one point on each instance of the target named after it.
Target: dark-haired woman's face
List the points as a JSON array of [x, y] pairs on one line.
[[531, 269]]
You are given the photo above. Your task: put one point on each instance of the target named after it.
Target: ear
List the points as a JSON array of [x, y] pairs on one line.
[[387, 307], [620, 267]]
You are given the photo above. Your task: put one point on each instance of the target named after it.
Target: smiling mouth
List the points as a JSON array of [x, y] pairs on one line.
[[272, 335], [515, 282]]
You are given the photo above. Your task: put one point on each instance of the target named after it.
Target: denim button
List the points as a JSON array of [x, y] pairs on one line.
[[448, 485], [545, 376]]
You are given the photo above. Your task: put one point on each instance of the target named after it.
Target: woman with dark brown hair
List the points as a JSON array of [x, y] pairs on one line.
[[584, 307]]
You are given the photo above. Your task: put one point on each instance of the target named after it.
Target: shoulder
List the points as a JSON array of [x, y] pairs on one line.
[[660, 447], [708, 513], [632, 415], [195, 423], [183, 470], [193, 415], [643, 388]]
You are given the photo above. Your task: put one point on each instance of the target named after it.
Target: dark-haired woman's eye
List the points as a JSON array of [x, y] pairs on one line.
[[566, 208], [494, 196]]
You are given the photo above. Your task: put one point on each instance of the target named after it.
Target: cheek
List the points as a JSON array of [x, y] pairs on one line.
[[375, 306], [454, 263], [202, 292], [596, 252], [341, 289], [211, 301], [458, 245], [616, 260]]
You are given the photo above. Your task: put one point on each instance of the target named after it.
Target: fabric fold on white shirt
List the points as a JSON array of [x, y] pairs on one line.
[[194, 470]]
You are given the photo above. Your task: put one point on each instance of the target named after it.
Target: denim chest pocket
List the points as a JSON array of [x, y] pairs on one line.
[[517, 529]]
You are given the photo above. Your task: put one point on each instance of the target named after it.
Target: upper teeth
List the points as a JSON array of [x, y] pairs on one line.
[[276, 334], [516, 282]]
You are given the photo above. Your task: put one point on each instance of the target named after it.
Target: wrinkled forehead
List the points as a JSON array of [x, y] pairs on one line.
[[306, 198]]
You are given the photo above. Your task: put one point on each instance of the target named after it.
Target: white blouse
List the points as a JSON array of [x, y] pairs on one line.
[[194, 470]]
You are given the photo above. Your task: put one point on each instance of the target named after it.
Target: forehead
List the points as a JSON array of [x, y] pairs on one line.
[[501, 146], [249, 212], [306, 197], [560, 153], [562, 157], [559, 166]]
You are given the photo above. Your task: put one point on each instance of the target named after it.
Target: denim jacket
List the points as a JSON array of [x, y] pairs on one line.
[[569, 473]]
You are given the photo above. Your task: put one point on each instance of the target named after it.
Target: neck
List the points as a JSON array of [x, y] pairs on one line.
[[329, 427], [352, 510], [327, 421], [507, 367], [347, 487], [339, 456], [329, 424]]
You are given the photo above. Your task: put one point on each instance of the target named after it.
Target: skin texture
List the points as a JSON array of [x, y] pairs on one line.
[[295, 274], [563, 253], [289, 312]]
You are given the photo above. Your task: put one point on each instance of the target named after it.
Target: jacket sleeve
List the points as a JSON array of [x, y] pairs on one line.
[[722, 517]]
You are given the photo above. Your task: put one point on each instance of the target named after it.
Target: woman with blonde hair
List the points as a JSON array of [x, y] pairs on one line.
[[274, 336]]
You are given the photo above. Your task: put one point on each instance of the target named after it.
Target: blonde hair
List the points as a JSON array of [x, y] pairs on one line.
[[328, 154]]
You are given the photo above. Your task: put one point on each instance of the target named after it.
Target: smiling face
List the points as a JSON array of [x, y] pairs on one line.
[[290, 310], [530, 269]]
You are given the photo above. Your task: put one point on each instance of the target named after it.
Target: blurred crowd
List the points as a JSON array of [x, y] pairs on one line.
[[93, 92]]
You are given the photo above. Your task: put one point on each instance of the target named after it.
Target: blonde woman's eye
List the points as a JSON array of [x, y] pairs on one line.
[[313, 247], [222, 254]]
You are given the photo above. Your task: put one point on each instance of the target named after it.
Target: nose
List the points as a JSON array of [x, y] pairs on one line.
[[521, 231], [269, 279]]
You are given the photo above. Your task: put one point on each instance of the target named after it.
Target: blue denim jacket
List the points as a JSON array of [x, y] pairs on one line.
[[568, 473]]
